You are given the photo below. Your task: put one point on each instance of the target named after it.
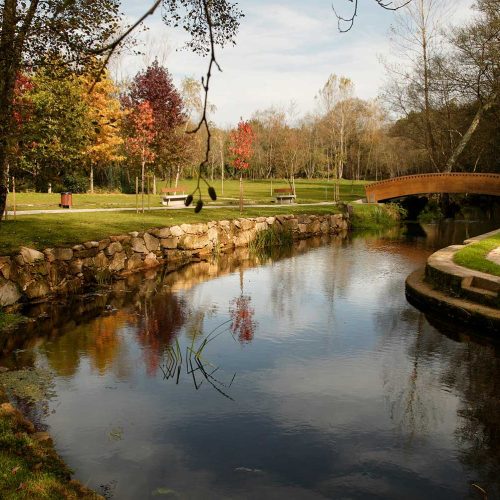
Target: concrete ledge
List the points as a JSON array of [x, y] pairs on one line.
[[442, 273], [482, 237], [422, 295]]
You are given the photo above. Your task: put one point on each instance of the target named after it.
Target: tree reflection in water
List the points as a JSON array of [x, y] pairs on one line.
[[162, 318], [242, 314]]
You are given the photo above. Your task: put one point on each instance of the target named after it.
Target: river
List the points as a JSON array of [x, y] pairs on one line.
[[307, 376]]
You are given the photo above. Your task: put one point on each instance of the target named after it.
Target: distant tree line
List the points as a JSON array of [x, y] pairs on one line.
[[439, 111]]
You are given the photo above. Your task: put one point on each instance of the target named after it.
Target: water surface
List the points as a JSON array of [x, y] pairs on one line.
[[305, 377]]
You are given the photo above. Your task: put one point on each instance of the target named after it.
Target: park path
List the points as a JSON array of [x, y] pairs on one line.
[[133, 209]]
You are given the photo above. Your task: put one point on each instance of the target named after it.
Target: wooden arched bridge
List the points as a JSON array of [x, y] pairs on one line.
[[433, 183]]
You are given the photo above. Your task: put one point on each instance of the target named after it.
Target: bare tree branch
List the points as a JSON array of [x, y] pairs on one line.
[[205, 81], [387, 5]]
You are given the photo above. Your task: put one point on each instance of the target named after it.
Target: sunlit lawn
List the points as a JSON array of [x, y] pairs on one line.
[[308, 191], [474, 255]]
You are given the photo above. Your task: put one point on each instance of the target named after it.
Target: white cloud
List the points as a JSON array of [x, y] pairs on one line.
[[285, 52]]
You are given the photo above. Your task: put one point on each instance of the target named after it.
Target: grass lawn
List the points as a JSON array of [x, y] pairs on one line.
[[308, 191], [474, 255]]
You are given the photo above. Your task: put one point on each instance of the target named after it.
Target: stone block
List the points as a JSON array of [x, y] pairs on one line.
[[9, 293], [176, 231], [30, 255], [37, 289], [247, 224], [152, 243], [139, 246], [121, 238], [104, 243], [151, 260], [62, 253], [164, 232], [100, 261], [134, 262], [193, 242], [75, 266], [91, 244], [169, 243], [194, 228], [113, 248], [118, 262], [5, 267]]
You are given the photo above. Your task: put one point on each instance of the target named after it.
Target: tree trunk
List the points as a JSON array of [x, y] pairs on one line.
[[9, 64], [467, 136], [142, 184], [241, 193], [91, 179]]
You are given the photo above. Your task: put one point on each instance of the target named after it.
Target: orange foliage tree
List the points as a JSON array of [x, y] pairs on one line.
[[241, 148], [139, 143]]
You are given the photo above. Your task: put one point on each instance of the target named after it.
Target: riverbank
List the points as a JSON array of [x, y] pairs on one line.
[[32, 275], [34, 272], [467, 294], [29, 465]]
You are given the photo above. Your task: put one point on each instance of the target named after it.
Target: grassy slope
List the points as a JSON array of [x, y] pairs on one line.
[[29, 467], [474, 255]]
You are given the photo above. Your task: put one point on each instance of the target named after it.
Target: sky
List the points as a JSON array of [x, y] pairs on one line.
[[285, 50]]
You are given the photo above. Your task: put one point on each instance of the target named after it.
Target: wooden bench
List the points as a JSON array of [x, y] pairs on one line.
[[172, 197], [284, 195]]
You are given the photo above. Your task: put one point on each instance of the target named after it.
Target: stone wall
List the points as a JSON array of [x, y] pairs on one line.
[[32, 275]]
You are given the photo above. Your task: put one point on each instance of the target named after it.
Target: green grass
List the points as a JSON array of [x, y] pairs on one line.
[[8, 320], [30, 468], [308, 191], [474, 255], [375, 217], [267, 241]]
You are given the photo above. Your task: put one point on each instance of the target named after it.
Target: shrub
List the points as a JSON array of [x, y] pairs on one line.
[[431, 213], [271, 238], [73, 184]]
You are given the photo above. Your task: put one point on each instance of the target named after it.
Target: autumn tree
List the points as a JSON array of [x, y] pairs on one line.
[[140, 142], [36, 34], [105, 115], [155, 86], [54, 137], [241, 148]]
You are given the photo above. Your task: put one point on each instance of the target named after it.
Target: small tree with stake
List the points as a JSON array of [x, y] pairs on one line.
[[242, 148], [139, 144]]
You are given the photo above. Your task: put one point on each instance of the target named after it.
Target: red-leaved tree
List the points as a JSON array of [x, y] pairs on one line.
[[156, 86], [241, 148], [242, 315], [139, 143]]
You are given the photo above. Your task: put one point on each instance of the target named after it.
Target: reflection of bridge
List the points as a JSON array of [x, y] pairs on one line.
[[433, 183]]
